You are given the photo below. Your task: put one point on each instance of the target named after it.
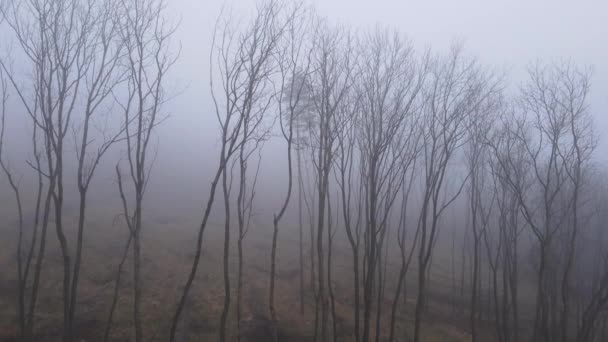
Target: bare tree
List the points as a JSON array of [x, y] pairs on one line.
[[330, 82], [14, 185], [591, 265], [330, 288], [26, 315], [294, 62], [410, 145], [502, 242], [349, 187], [102, 56], [544, 151], [54, 37], [245, 61], [390, 82], [246, 195], [510, 170], [574, 85], [457, 87], [146, 36], [480, 203], [549, 173]]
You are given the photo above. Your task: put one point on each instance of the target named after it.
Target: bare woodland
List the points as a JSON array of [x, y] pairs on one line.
[[391, 156]]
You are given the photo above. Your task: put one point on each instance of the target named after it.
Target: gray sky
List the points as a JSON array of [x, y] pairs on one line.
[[505, 34]]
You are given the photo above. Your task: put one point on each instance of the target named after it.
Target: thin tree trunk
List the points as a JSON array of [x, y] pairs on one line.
[[136, 273], [109, 322], [239, 289], [300, 227], [25, 333], [419, 302], [330, 289], [226, 308], [275, 233], [78, 257], [197, 255], [39, 261]]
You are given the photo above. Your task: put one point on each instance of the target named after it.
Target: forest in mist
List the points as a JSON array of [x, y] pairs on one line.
[[350, 184]]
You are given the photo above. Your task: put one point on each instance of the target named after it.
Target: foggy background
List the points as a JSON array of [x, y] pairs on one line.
[[507, 35], [504, 35]]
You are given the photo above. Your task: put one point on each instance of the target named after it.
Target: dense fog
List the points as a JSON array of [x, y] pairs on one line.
[[449, 156]]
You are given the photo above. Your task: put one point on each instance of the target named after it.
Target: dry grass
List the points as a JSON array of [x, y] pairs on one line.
[[167, 251]]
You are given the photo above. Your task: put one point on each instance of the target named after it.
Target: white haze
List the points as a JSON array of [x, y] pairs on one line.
[[505, 35]]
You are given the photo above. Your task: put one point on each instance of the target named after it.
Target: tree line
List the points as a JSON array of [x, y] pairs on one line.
[[381, 141]]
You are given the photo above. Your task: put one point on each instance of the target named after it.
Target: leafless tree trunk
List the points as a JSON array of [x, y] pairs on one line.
[[121, 265], [503, 259], [480, 204], [55, 38], [574, 86], [406, 257], [503, 146], [330, 288], [245, 60], [300, 223], [14, 185], [309, 201], [146, 37], [102, 54], [330, 83], [226, 256], [391, 80], [456, 89], [545, 138], [351, 199], [244, 213], [294, 62]]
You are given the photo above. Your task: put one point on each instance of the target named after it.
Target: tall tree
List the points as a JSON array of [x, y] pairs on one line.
[[58, 40], [457, 86], [390, 82], [480, 203], [330, 82], [146, 36], [245, 60], [293, 65]]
